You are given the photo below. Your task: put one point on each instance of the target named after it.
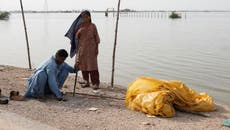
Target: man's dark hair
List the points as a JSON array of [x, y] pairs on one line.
[[62, 53]]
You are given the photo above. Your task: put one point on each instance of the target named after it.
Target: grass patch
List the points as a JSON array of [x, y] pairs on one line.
[[174, 15], [4, 15]]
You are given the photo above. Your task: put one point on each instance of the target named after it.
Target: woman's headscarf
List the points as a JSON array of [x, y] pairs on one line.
[[72, 31]]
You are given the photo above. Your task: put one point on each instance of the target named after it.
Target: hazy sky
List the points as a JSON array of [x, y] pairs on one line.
[[103, 4]]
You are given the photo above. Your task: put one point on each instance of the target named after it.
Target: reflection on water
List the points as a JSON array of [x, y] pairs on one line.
[[195, 50]]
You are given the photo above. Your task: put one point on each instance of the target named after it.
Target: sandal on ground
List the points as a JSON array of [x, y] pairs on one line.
[[85, 85], [82, 82], [4, 101], [95, 87], [14, 95]]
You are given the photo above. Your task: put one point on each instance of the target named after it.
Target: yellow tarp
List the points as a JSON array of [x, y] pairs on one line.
[[159, 97]]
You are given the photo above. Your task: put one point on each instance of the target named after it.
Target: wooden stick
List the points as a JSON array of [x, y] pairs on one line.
[[27, 41], [99, 96], [115, 43], [75, 83]]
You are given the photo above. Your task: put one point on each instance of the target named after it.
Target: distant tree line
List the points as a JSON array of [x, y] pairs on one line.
[[122, 10]]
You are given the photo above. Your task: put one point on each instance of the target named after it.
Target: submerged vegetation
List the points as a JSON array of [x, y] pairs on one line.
[[4, 15], [174, 15]]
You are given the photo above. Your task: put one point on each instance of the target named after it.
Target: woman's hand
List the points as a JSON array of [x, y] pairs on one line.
[[76, 65], [78, 33], [97, 52]]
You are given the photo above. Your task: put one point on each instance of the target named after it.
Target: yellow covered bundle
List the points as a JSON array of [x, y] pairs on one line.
[[159, 97]]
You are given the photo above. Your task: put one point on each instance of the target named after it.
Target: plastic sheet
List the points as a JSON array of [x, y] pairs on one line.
[[160, 97]]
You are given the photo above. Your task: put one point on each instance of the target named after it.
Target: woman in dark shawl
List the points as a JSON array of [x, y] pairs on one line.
[[86, 40]]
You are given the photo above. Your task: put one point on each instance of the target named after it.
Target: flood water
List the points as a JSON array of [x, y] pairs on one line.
[[195, 49]]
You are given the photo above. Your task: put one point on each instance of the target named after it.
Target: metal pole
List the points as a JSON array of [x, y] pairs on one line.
[[27, 41], [115, 43]]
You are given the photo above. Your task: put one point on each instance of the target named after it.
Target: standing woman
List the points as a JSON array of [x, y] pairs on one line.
[[84, 42], [86, 56]]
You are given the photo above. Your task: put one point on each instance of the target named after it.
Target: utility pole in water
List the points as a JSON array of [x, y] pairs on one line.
[[27, 41]]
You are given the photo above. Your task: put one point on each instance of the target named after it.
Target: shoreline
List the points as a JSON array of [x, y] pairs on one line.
[[111, 113], [123, 11]]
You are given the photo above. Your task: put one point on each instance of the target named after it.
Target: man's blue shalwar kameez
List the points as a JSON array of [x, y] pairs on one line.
[[49, 76]]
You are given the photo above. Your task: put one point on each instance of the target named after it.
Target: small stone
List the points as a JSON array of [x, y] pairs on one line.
[[96, 91], [76, 110], [93, 109], [2, 68], [146, 123], [87, 126], [150, 116]]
